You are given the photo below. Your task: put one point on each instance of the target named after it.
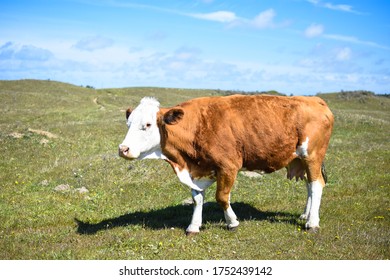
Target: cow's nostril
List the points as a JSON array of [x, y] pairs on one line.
[[123, 149]]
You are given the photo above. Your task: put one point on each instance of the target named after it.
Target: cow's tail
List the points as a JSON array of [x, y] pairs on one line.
[[323, 172]]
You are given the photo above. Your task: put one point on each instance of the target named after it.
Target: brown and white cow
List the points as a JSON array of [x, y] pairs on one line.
[[212, 138]]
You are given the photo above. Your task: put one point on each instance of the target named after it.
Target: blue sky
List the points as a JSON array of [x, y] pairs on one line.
[[292, 46]]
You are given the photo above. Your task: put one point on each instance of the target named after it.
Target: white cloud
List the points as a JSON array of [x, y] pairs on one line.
[[336, 7], [11, 50], [187, 53], [325, 59], [220, 16], [343, 54], [93, 43], [265, 19], [314, 30], [354, 40], [341, 7]]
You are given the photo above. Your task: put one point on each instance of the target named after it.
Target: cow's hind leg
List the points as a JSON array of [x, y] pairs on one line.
[[309, 188], [305, 214], [313, 218], [315, 185], [224, 185]]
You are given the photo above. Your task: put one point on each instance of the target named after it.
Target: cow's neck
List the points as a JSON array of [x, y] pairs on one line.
[[155, 153]]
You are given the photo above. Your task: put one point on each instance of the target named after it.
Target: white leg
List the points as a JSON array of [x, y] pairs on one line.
[[305, 214], [196, 221], [231, 218], [313, 220]]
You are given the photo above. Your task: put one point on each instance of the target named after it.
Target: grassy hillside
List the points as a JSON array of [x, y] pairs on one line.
[[65, 194]]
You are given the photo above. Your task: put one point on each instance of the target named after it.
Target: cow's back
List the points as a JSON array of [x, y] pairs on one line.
[[258, 132]]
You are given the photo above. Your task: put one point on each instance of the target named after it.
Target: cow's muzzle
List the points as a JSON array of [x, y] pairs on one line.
[[124, 152]]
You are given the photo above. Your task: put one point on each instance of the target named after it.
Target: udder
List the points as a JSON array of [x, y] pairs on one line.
[[296, 169]]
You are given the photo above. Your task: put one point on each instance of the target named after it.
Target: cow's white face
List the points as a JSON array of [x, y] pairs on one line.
[[143, 136]]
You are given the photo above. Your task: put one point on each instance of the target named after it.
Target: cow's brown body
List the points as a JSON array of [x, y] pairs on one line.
[[215, 137], [225, 134]]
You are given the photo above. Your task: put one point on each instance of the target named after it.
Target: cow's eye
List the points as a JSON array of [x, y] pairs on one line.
[[146, 126]]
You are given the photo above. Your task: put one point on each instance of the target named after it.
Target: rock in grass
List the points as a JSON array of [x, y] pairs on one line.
[[67, 188], [62, 188], [82, 190], [44, 183], [251, 174]]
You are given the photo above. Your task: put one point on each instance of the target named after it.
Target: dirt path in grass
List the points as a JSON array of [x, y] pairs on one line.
[[43, 133], [98, 103]]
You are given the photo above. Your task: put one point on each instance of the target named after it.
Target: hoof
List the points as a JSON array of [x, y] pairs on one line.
[[313, 230], [232, 228], [191, 233]]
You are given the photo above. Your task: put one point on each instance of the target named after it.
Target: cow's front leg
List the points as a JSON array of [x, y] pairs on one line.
[[196, 221]]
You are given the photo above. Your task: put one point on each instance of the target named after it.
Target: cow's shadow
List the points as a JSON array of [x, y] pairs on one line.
[[179, 216]]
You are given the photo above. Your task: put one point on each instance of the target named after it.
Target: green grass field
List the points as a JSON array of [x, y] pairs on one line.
[[65, 194]]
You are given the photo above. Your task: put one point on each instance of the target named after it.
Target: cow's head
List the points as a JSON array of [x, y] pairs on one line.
[[143, 136]]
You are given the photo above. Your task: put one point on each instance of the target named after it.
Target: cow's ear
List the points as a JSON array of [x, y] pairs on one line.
[[128, 113], [173, 116]]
